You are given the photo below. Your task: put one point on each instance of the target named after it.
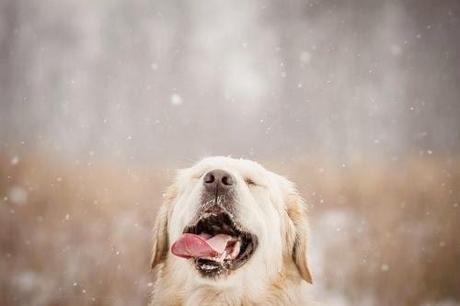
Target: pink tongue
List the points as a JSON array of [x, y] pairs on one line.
[[191, 245]]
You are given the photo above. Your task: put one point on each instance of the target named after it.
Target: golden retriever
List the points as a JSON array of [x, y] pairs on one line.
[[231, 233]]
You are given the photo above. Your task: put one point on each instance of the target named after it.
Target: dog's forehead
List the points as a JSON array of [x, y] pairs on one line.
[[240, 166]]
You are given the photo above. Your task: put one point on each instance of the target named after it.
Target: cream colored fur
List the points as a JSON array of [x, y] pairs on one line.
[[277, 273]]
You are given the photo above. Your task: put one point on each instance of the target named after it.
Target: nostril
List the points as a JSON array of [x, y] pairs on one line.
[[209, 178], [218, 179], [227, 180]]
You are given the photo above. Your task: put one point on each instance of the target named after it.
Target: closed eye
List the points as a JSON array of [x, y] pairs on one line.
[[250, 182]]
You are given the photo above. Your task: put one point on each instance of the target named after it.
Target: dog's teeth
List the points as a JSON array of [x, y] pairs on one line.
[[209, 267]]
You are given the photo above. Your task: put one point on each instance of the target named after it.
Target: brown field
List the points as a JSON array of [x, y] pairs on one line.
[[78, 233]]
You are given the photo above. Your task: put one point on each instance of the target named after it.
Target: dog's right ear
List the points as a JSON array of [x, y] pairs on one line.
[[160, 229]]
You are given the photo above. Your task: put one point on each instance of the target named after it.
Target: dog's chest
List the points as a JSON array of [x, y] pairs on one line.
[[208, 296]]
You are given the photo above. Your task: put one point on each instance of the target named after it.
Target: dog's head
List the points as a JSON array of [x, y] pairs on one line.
[[231, 217]]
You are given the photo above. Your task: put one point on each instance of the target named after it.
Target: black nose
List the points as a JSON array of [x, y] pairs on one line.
[[218, 179]]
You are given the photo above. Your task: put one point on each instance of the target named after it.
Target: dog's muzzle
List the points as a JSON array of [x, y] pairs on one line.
[[215, 241]]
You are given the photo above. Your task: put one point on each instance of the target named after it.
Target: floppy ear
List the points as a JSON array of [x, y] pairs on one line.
[[296, 211], [160, 229]]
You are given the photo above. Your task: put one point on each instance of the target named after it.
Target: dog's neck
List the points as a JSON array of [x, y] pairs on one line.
[[284, 288]]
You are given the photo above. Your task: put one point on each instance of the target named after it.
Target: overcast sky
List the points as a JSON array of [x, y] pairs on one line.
[[183, 79]]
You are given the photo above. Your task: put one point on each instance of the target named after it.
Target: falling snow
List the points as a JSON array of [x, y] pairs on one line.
[[176, 100]]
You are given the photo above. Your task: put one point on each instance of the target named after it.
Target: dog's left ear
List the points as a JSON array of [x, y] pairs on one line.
[[160, 229], [299, 230]]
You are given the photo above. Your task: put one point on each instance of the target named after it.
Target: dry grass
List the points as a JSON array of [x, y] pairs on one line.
[[79, 234], [388, 232]]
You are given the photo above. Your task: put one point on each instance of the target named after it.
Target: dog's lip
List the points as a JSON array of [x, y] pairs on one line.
[[248, 247], [230, 227]]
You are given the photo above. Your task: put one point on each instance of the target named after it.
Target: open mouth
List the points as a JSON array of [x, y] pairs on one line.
[[216, 243]]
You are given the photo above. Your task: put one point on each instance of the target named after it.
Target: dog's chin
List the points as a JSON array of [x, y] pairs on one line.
[[222, 223]]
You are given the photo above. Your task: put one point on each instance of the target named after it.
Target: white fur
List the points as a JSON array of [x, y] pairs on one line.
[[271, 209]]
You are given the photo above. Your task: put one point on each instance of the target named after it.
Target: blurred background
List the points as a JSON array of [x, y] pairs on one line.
[[356, 101]]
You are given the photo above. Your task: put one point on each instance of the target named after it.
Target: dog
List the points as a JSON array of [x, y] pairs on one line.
[[230, 233]]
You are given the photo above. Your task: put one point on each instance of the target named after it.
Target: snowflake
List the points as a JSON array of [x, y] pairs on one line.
[[176, 100]]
